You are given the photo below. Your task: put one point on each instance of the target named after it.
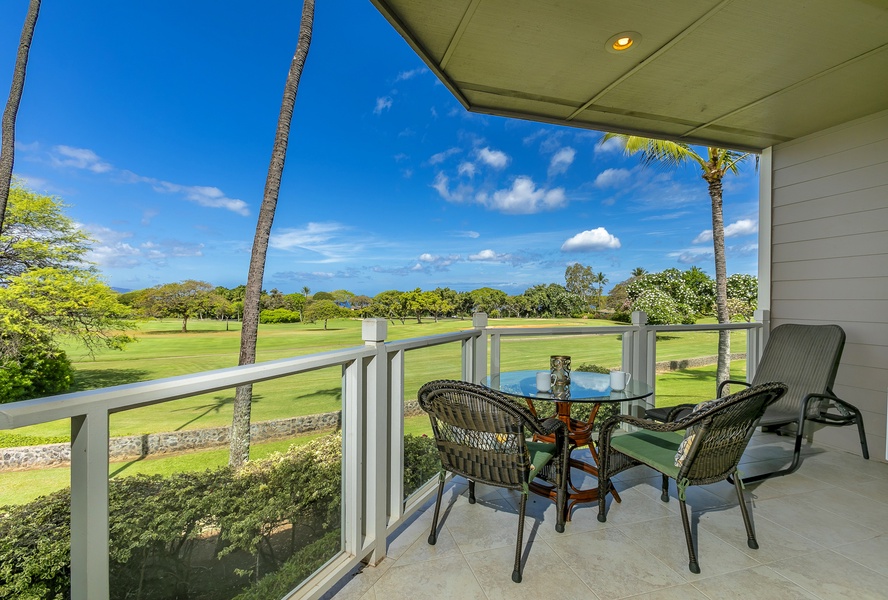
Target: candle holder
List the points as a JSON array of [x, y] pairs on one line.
[[559, 368]]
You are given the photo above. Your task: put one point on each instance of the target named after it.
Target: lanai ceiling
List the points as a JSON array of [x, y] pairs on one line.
[[743, 74]]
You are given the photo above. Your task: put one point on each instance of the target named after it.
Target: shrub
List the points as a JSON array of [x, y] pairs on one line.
[[200, 535], [38, 371], [421, 462], [278, 315]]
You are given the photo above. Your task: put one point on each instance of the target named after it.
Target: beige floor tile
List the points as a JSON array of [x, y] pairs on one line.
[[679, 592], [760, 583], [874, 490], [832, 576], [852, 506], [665, 539], [797, 483], [612, 565], [812, 522], [872, 553], [543, 571], [360, 583], [484, 525], [445, 577], [775, 542]]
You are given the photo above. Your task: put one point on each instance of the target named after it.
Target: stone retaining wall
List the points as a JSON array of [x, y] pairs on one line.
[[139, 446]]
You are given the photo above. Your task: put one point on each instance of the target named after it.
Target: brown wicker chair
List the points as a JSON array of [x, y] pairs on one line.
[[482, 435], [703, 447], [805, 358]]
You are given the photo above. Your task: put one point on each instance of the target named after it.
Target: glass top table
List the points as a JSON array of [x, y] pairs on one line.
[[585, 387]]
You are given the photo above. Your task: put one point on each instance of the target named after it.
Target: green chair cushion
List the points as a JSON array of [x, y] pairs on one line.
[[540, 455], [654, 448]]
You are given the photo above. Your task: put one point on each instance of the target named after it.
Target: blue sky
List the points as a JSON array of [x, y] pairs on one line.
[[155, 121]]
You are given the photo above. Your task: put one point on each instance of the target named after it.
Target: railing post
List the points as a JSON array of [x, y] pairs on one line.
[[354, 425], [90, 579], [755, 341], [379, 472], [479, 368], [644, 351]]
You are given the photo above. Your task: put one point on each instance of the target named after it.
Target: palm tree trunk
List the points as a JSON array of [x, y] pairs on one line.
[[239, 452], [7, 147], [721, 276]]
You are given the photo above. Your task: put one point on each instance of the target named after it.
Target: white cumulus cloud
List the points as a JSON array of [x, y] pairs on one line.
[[466, 168], [523, 198], [562, 160], [383, 103], [738, 228], [493, 158], [612, 177], [590, 240], [442, 156], [79, 158]]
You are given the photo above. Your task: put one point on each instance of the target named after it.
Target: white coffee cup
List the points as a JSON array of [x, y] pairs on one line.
[[544, 381], [619, 380]]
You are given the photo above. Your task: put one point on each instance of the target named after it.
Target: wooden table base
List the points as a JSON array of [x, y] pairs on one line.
[[580, 433]]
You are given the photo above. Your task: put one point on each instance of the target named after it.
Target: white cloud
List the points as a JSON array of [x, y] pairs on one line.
[[612, 177], [466, 168], [310, 235], [590, 240], [738, 228], [493, 158], [489, 255], [383, 103], [741, 227], [469, 234], [405, 75], [523, 198], [459, 194], [209, 196], [440, 157], [79, 158], [610, 146], [561, 161]]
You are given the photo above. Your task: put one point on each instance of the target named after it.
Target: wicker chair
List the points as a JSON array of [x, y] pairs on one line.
[[703, 447], [482, 436], [805, 358]]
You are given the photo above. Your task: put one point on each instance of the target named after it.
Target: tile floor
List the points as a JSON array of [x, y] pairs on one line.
[[822, 532]]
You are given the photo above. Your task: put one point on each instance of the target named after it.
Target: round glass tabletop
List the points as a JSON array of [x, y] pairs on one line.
[[584, 387]]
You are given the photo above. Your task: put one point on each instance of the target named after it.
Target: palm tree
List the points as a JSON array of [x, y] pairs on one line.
[[7, 146], [239, 452], [638, 271], [600, 279], [306, 291], [715, 165]]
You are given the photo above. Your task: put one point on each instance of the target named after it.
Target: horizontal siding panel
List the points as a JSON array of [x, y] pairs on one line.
[[836, 139], [845, 314], [864, 245], [863, 378], [845, 438], [867, 355], [851, 159], [840, 225], [849, 267], [871, 288], [840, 183], [831, 206]]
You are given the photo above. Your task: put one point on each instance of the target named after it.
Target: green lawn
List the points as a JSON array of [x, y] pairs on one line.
[[163, 351]]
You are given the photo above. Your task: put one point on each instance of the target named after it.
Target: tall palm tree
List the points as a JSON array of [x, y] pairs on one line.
[[601, 280], [638, 271], [7, 145], [714, 165], [306, 291], [239, 452]]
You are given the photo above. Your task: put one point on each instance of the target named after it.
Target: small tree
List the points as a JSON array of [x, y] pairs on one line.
[[324, 310], [580, 280], [180, 300]]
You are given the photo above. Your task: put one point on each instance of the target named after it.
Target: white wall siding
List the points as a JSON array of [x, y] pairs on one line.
[[829, 258]]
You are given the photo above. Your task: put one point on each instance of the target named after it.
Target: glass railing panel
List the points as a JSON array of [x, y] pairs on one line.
[[518, 353], [687, 363], [421, 366]]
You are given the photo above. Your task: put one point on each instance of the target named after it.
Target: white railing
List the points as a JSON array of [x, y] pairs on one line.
[[372, 426]]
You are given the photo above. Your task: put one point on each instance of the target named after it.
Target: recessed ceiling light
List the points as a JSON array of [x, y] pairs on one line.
[[622, 41]]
